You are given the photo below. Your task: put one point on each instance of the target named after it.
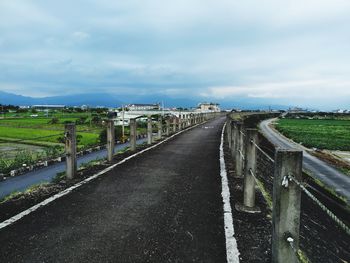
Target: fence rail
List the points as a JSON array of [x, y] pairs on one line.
[[287, 188]]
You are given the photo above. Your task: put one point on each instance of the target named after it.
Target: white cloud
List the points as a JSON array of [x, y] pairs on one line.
[[261, 49], [80, 35], [308, 89]]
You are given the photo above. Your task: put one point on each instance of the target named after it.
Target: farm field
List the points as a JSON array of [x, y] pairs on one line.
[[330, 134], [26, 139]]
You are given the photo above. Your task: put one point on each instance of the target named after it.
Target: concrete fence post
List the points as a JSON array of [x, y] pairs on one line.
[[239, 163], [286, 205], [149, 130], [71, 150], [160, 128], [232, 124], [110, 140], [250, 163], [133, 135], [228, 131], [234, 139], [174, 124], [179, 123], [167, 127]]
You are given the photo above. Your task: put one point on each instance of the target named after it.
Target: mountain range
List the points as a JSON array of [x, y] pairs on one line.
[[113, 100]]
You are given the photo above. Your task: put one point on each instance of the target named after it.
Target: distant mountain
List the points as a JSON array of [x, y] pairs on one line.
[[113, 100], [96, 99], [9, 98]]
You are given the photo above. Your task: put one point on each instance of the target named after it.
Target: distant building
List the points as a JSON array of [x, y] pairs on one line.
[[141, 107], [48, 107], [205, 106], [84, 107]]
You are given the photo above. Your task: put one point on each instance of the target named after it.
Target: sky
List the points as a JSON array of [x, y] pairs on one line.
[[287, 52]]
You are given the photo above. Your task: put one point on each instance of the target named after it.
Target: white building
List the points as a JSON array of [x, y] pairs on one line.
[[141, 107], [205, 106]]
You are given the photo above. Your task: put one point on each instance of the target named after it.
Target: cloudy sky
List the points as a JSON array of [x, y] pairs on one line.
[[292, 52]]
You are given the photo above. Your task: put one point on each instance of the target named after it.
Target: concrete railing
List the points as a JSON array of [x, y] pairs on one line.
[[163, 126], [244, 144]]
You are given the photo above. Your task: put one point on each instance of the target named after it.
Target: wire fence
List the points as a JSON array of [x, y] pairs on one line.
[[321, 205], [264, 180]]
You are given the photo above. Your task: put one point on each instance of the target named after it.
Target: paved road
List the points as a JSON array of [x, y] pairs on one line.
[[162, 206], [321, 170], [46, 174]]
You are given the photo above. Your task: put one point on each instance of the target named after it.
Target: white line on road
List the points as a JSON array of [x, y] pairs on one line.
[[17, 217], [232, 252]]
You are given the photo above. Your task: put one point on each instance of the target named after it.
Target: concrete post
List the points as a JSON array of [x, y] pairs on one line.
[[133, 135], [234, 139], [160, 128], [239, 150], [250, 162], [229, 131], [286, 205], [174, 124], [110, 140], [167, 127], [180, 123], [149, 130], [71, 150], [250, 167]]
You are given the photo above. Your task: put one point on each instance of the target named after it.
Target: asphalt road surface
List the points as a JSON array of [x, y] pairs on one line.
[[161, 206], [46, 174], [321, 170]]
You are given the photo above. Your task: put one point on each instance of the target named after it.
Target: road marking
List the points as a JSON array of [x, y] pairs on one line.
[[232, 253], [17, 217]]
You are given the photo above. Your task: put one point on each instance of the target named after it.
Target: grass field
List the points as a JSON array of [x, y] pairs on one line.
[[38, 135], [27, 139], [323, 134]]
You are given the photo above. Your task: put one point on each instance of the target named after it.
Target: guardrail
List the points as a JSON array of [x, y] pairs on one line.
[[287, 188]]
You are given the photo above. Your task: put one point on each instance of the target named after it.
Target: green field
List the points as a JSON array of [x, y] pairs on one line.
[[32, 129], [328, 134], [28, 139]]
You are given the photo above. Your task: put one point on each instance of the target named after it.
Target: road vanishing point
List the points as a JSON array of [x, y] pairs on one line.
[[161, 206]]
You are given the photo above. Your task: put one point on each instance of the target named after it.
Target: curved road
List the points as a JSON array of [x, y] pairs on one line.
[[319, 169]]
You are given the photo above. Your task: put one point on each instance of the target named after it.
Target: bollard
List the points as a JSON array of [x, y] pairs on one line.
[[167, 127], [286, 205], [250, 162], [110, 140], [238, 150], [160, 128], [133, 134], [71, 150], [149, 130]]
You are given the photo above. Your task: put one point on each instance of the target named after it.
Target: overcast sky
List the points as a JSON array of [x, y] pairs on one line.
[[295, 52]]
